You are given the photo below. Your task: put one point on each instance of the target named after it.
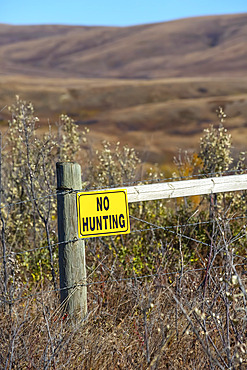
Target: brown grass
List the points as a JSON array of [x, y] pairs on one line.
[[133, 324], [154, 87], [157, 117], [202, 46]]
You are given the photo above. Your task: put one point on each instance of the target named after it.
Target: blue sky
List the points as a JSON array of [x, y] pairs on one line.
[[111, 12]]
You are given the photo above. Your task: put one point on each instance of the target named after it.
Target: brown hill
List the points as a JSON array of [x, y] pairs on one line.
[[203, 46], [77, 70], [157, 117]]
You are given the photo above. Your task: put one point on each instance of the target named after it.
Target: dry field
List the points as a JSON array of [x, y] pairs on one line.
[[156, 117], [154, 86], [200, 46], [169, 295]]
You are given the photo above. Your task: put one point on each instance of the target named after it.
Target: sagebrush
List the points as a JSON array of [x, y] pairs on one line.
[[169, 295]]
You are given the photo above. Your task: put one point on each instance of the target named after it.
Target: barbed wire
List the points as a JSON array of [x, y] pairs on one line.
[[174, 232], [37, 198], [111, 281], [141, 182], [182, 235], [154, 227], [3, 108], [11, 254], [190, 224]]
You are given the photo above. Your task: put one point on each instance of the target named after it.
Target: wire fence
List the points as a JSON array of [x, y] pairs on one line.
[[116, 280], [174, 229], [152, 228]]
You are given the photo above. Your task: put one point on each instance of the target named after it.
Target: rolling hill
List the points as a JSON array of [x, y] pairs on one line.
[[203, 46], [154, 86]]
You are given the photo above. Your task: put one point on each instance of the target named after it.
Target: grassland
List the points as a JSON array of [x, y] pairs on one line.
[[200, 46], [157, 117], [168, 297], [154, 87]]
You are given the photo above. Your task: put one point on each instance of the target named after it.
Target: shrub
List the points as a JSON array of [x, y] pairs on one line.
[[168, 295]]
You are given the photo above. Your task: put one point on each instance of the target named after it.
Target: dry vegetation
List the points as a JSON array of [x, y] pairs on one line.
[[202, 46], [155, 86], [155, 117], [169, 322], [170, 295]]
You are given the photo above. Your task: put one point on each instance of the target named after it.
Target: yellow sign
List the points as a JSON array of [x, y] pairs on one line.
[[102, 213]]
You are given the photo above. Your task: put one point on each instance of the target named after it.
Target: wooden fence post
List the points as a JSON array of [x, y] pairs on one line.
[[72, 264]]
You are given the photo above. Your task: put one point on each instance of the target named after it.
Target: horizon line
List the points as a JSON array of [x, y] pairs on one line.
[[123, 26]]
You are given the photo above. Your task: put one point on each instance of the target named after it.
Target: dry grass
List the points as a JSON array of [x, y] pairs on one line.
[[202, 46], [156, 117], [168, 322], [154, 87], [188, 312]]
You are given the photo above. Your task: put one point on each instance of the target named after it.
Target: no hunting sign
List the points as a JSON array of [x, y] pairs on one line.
[[102, 213]]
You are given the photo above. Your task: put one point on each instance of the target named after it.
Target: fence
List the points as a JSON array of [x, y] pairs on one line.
[[74, 283], [72, 253], [156, 191]]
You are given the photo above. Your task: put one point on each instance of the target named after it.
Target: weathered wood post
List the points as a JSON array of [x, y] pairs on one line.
[[72, 264]]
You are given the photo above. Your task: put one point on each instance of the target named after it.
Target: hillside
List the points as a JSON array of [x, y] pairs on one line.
[[203, 46], [154, 87], [157, 117]]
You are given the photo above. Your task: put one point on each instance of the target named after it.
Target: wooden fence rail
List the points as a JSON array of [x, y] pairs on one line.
[[186, 188]]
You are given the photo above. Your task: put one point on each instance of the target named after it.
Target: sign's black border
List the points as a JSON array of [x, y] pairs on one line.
[[99, 234]]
